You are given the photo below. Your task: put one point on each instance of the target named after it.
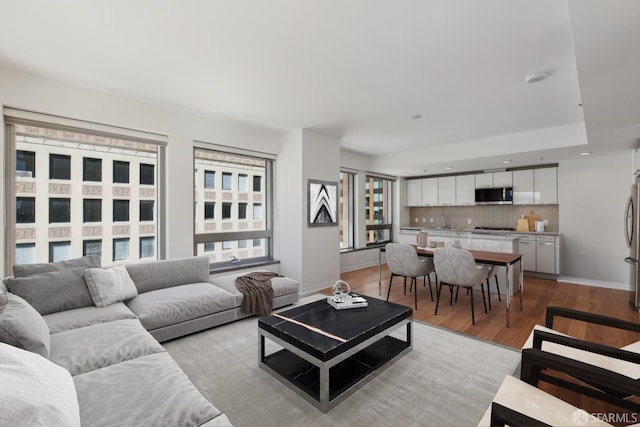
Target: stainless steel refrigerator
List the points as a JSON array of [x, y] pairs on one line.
[[631, 230]]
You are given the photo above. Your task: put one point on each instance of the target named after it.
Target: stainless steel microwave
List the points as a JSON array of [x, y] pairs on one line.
[[494, 196]]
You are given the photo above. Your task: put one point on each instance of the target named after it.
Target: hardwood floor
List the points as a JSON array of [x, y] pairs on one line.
[[538, 294]]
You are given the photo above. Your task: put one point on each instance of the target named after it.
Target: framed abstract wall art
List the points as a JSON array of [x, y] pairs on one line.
[[322, 203]]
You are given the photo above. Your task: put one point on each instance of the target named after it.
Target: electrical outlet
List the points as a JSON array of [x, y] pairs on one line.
[[424, 220], [469, 221], [431, 220]]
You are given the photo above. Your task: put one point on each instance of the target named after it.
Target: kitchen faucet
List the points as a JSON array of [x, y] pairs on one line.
[[444, 224]]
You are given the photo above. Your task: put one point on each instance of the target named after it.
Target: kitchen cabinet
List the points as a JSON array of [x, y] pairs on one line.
[[429, 192], [484, 180], [465, 190], [545, 186], [523, 187], [527, 246], [413, 192], [502, 179], [447, 191], [546, 254]]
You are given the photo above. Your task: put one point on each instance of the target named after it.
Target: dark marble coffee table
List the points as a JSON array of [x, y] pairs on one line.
[[327, 353]]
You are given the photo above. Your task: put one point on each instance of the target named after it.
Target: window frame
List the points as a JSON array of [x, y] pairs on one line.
[[84, 210], [346, 223], [52, 169], [53, 219], [114, 175], [85, 169], [370, 201]]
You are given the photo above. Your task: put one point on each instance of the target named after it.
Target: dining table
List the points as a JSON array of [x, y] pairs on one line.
[[505, 259]]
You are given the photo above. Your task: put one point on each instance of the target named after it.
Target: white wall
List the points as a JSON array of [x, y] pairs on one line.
[[592, 192], [24, 91]]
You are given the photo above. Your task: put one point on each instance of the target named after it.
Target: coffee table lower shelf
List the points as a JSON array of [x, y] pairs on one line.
[[345, 374]]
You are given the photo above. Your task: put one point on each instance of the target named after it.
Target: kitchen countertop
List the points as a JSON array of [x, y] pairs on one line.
[[503, 233]]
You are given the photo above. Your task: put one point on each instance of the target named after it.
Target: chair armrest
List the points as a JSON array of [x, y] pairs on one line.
[[617, 353], [584, 316], [503, 416], [611, 382]]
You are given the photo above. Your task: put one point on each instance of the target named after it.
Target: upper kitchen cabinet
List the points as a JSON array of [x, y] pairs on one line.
[[484, 180], [545, 186], [502, 179], [465, 190], [413, 192], [447, 191], [523, 187], [494, 179], [430, 192]]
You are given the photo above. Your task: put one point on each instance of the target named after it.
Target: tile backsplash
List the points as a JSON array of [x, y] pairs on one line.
[[482, 216]]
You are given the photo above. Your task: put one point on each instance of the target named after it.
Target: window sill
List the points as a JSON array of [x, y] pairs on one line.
[[240, 266]]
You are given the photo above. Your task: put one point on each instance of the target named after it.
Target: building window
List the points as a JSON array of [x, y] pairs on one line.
[[226, 181], [378, 209], [120, 210], [25, 210], [209, 210], [226, 210], [91, 169], [257, 243], [242, 211], [59, 210], [59, 251], [243, 183], [25, 164], [345, 209], [120, 249], [59, 166], [209, 179], [147, 247], [93, 162], [147, 174], [146, 210], [257, 211], [25, 253], [120, 172], [92, 210], [234, 226], [91, 247]]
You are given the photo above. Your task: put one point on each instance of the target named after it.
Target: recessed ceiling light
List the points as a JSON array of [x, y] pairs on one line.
[[536, 77], [506, 162], [416, 117], [586, 153], [448, 168]]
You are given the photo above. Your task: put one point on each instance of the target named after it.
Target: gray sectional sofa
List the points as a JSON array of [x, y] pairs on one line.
[[103, 326]]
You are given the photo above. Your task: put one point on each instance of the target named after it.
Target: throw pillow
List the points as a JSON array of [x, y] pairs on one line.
[[22, 326], [54, 291], [24, 270], [110, 285], [35, 391]]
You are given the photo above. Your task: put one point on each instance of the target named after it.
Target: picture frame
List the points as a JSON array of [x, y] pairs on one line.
[[322, 203]]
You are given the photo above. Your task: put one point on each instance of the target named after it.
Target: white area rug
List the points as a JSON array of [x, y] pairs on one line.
[[448, 379]]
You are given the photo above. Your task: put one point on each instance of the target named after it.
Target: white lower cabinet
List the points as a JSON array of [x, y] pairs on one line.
[[540, 253], [528, 251]]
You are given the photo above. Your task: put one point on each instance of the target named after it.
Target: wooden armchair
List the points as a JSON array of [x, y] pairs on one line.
[[605, 373]]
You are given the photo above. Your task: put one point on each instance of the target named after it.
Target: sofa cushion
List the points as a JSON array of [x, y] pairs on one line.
[[35, 391], [53, 291], [147, 391], [22, 326], [150, 276], [85, 316], [109, 285], [281, 286], [93, 347], [89, 261], [169, 306]]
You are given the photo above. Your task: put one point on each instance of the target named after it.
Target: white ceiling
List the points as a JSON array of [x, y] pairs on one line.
[[359, 69]]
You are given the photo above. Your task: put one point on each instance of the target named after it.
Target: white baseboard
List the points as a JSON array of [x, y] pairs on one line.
[[597, 283], [358, 267]]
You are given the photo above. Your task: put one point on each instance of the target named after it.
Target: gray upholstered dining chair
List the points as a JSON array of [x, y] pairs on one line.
[[493, 272], [403, 260], [457, 267]]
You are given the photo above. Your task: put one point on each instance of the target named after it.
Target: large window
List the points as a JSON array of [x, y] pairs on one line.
[[243, 208], [378, 209], [68, 174], [209, 179], [345, 209]]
